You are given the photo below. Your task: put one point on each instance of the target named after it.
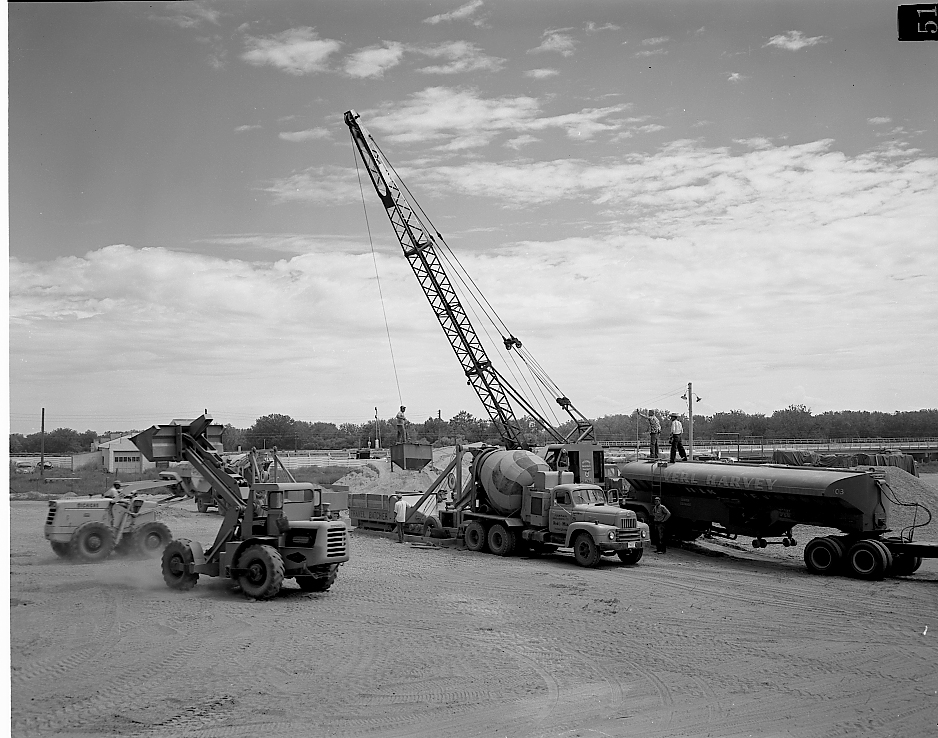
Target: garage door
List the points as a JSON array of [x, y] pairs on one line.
[[128, 462]]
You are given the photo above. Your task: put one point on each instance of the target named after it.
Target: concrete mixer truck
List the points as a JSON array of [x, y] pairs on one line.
[[514, 501]]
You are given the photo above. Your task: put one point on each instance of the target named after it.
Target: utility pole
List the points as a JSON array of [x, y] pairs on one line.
[[690, 421], [377, 431], [42, 447], [637, 412]]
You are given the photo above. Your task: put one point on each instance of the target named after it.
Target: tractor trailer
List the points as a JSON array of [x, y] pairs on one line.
[[767, 501]]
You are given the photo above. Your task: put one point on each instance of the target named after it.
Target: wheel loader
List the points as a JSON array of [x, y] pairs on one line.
[[281, 531], [88, 529]]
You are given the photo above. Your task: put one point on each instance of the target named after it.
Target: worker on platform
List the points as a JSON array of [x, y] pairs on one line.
[[660, 515], [654, 430], [400, 515], [677, 432], [400, 423]]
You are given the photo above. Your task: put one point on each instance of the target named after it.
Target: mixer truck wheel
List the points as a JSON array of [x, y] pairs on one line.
[[866, 560], [475, 536], [888, 556], [175, 558], [823, 556], [151, 539], [585, 550], [904, 564], [502, 540], [630, 557], [92, 542], [263, 575]]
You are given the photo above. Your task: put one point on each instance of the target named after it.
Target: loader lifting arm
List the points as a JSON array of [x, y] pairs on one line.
[[181, 443]]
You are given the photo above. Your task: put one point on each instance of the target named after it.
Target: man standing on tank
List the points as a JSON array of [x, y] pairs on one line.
[[677, 431], [660, 515], [654, 430]]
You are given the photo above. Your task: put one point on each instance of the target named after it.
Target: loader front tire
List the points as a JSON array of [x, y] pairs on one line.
[[92, 542], [150, 540], [264, 572], [177, 556]]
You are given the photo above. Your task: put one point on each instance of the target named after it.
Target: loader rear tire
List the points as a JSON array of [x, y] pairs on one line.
[[92, 542], [502, 540], [61, 549], [475, 536], [317, 584], [264, 575], [176, 557], [150, 540]]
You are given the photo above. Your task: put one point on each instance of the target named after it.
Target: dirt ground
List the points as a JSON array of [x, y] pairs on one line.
[[418, 641]]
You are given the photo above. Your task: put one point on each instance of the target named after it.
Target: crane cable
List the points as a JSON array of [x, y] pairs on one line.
[[374, 259]]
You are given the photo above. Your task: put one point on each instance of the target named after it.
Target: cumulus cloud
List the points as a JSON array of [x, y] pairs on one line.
[[657, 41], [651, 52], [463, 12], [541, 73], [460, 119], [592, 27], [374, 61], [878, 121], [794, 41], [736, 77], [297, 51], [556, 41], [461, 56], [311, 134], [188, 15], [242, 129]]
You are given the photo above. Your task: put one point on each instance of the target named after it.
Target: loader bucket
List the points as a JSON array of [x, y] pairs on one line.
[[160, 443]]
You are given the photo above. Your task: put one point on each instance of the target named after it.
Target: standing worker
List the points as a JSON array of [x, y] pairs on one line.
[[654, 430], [677, 431], [401, 423], [660, 514], [400, 515]]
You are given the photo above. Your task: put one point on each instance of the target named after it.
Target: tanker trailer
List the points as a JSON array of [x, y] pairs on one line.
[[769, 500], [514, 500]]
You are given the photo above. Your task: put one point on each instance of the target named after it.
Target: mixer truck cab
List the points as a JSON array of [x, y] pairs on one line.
[[569, 515]]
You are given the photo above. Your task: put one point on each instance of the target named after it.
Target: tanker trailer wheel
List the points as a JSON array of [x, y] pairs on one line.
[[150, 540], [263, 572], [904, 565], [823, 556], [475, 536], [61, 549], [585, 550], [865, 560], [92, 542], [176, 556], [318, 584], [502, 540], [630, 557]]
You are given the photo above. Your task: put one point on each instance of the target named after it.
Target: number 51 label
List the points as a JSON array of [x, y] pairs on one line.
[[918, 22]]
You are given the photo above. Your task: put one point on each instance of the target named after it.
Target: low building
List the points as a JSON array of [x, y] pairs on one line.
[[121, 455]]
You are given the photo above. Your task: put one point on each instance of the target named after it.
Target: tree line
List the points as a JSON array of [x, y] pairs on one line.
[[286, 433]]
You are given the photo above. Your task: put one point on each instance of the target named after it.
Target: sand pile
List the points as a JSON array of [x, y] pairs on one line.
[[909, 489]]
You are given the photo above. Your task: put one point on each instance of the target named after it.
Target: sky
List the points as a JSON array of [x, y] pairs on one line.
[[737, 195]]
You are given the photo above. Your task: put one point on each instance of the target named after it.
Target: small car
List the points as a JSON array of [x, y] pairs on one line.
[[24, 467]]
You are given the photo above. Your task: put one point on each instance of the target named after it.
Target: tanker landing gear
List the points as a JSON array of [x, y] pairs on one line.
[[787, 540]]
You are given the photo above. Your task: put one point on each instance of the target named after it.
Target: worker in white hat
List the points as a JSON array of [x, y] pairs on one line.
[[677, 432]]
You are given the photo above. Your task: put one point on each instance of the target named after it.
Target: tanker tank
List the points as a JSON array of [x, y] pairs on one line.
[[761, 499], [503, 475]]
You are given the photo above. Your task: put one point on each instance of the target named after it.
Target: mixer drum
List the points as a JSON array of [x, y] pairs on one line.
[[503, 474]]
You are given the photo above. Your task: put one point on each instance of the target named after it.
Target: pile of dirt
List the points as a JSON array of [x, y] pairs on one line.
[[396, 480], [909, 491]]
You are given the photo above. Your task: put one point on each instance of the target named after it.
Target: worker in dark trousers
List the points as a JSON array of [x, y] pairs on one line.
[[400, 515], [660, 515], [677, 431], [654, 430], [400, 422]]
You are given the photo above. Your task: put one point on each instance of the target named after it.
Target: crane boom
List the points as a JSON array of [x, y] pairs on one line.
[[421, 253]]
